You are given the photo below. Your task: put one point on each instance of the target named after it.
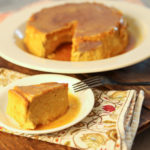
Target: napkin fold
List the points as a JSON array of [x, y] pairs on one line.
[[111, 125]]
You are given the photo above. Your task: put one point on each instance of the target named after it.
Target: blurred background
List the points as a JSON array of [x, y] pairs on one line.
[[7, 5]]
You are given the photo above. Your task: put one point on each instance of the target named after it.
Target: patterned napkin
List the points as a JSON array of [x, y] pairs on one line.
[[111, 125]]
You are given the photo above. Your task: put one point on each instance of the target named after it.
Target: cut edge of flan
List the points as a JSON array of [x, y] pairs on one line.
[[46, 43]]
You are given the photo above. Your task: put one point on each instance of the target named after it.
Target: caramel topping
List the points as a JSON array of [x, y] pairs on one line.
[[91, 18], [35, 90]]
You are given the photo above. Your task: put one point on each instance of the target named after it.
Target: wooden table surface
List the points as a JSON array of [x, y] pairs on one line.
[[138, 72]]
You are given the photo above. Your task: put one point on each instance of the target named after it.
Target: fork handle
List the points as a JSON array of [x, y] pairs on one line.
[[130, 83]]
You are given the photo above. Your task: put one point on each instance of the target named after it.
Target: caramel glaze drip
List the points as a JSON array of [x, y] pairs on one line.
[[91, 18]]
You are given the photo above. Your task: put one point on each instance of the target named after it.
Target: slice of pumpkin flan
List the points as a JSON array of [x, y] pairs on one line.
[[95, 30], [37, 104]]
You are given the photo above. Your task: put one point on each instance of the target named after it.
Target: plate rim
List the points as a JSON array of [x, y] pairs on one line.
[[80, 67], [34, 132]]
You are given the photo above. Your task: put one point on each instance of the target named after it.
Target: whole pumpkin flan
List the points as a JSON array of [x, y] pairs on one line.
[[96, 31], [38, 104]]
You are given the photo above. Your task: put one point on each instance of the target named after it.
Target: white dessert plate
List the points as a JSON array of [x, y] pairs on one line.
[[85, 97], [12, 32]]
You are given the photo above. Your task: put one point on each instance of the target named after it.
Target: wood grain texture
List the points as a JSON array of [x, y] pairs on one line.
[[13, 142], [139, 72], [144, 120]]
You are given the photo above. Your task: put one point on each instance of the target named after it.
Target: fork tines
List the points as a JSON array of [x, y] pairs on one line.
[[87, 83]]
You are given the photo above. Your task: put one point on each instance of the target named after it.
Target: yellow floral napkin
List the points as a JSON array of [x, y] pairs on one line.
[[111, 125]]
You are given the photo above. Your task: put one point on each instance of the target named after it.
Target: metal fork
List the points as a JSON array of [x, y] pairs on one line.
[[101, 80]]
